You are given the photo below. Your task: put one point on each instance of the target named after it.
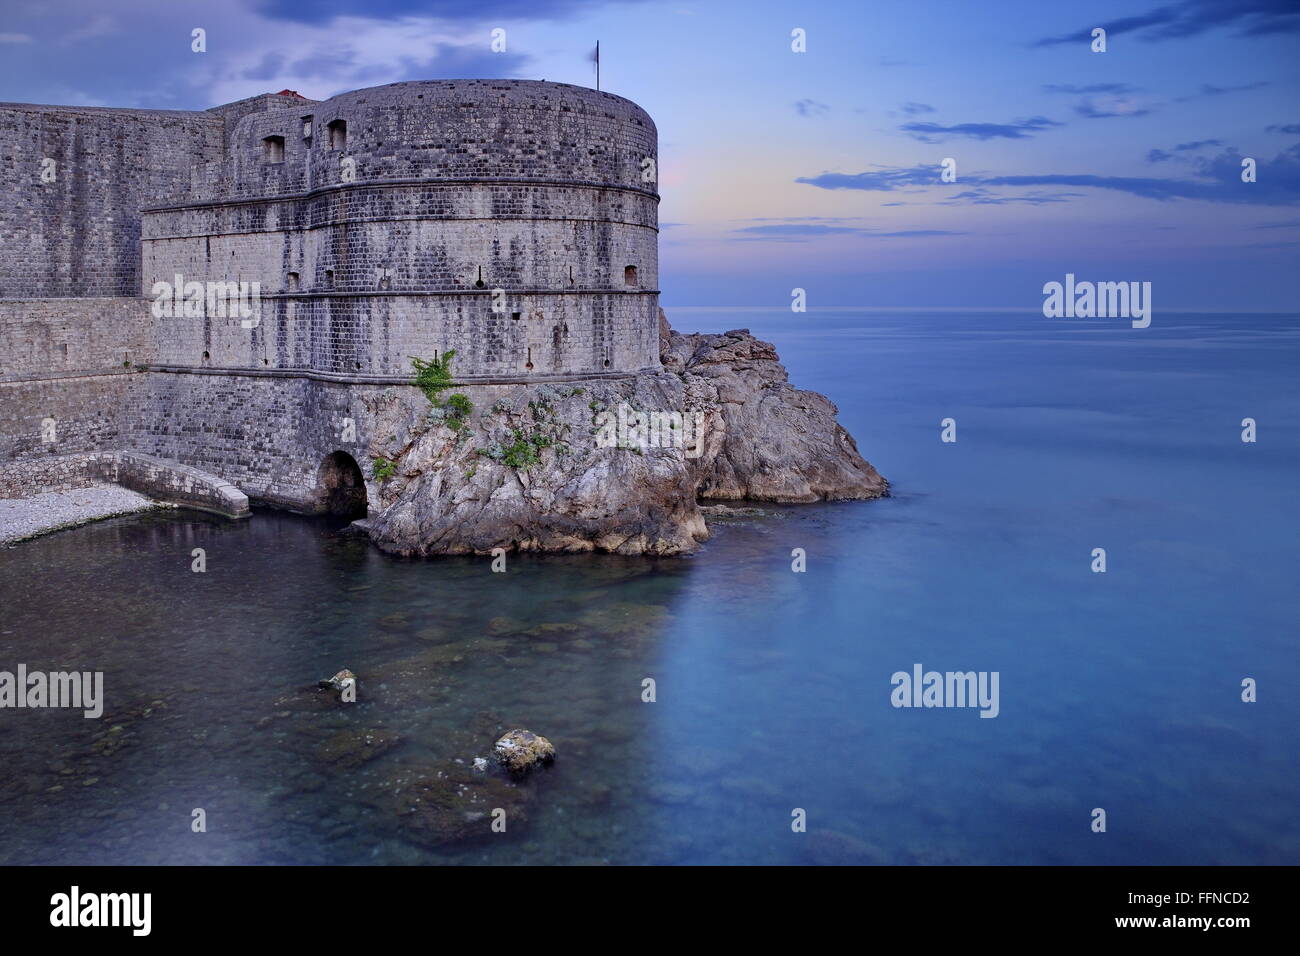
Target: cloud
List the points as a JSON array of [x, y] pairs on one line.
[[1209, 89], [15, 38], [1289, 129], [810, 108], [914, 109], [881, 180], [1117, 88], [1162, 156], [983, 197], [1107, 107], [1019, 129], [480, 11], [1188, 18], [804, 231], [1219, 180]]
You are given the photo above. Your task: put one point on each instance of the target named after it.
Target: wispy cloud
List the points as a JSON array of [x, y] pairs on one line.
[[810, 107], [915, 109], [1219, 180], [1018, 129], [1076, 90], [1209, 89], [817, 229], [1247, 18], [1108, 107], [1164, 156], [1290, 129], [878, 180]]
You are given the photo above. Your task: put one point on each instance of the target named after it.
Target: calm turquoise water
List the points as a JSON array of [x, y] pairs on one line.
[[1118, 690]]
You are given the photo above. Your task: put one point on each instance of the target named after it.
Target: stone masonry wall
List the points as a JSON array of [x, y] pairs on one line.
[[78, 234]]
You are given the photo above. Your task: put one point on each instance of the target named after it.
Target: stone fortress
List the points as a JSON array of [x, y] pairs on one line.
[[510, 220]]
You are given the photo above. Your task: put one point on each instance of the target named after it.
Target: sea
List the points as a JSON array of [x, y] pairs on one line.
[[1094, 531]]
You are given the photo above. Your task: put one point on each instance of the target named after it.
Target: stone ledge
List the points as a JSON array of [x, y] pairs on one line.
[[156, 478]]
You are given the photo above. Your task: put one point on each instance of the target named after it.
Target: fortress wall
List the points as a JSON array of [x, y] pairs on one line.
[[61, 362], [88, 413], [49, 338], [446, 129], [537, 185], [366, 336], [423, 238], [268, 436], [78, 235]]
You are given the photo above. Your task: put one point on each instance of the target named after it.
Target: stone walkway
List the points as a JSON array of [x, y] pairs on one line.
[[22, 518]]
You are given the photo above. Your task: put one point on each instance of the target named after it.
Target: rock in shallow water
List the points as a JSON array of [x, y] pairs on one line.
[[522, 750], [340, 681]]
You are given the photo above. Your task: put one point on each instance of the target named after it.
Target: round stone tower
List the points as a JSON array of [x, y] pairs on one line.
[[514, 221]]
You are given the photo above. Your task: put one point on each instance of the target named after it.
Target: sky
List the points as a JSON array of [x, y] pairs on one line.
[[821, 169]]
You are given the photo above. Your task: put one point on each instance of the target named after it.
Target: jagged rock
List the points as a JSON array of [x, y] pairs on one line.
[[520, 751], [527, 472]]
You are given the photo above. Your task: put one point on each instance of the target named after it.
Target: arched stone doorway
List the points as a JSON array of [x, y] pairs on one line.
[[341, 486]]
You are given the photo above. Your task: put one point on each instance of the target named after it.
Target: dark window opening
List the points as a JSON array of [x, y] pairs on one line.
[[205, 356], [329, 278], [273, 149], [516, 316], [629, 275], [338, 130], [293, 282]]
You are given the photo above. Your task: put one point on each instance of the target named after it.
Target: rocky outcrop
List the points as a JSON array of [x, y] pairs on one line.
[[609, 465], [520, 751]]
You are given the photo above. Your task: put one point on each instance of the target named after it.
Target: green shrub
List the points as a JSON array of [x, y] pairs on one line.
[[433, 377]]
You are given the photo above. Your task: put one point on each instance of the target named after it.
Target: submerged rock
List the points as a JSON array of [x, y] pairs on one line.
[[349, 749], [520, 751], [442, 804], [531, 469]]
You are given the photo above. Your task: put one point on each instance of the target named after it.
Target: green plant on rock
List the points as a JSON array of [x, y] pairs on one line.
[[433, 378], [382, 468]]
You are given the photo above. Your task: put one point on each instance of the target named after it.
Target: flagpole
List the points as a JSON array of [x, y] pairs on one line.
[[598, 64]]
